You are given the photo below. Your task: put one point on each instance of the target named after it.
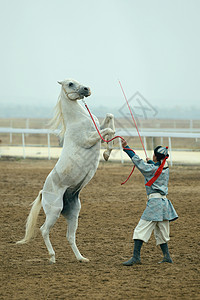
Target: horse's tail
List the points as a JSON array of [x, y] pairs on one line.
[[32, 219]]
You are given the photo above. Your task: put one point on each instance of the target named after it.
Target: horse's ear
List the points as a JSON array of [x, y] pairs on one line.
[[60, 82]]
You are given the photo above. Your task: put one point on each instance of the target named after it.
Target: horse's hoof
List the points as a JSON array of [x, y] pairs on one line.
[[84, 259], [105, 156], [110, 116], [52, 260]]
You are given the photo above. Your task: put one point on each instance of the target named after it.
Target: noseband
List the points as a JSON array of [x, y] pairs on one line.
[[67, 94]]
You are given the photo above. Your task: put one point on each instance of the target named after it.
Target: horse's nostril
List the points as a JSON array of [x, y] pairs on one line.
[[86, 89]]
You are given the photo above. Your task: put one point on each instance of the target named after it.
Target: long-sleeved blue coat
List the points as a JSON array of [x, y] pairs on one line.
[[157, 209]]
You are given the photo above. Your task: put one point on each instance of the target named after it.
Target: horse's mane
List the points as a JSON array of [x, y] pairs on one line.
[[57, 122]]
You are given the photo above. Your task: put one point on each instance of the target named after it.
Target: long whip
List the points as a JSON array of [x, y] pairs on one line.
[[133, 118], [107, 141]]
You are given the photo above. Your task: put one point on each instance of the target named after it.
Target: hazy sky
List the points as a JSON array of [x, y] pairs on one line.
[[152, 46]]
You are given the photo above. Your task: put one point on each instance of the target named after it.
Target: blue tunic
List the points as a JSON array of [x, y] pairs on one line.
[[157, 209]]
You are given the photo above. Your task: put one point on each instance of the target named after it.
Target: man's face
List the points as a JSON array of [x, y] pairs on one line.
[[154, 158]]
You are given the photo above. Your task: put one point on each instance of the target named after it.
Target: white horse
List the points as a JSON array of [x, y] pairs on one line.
[[75, 168]]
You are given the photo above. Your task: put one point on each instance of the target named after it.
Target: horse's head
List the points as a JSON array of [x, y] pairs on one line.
[[74, 90]]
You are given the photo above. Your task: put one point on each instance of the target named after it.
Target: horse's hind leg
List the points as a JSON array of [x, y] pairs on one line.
[[72, 221], [108, 122], [45, 229]]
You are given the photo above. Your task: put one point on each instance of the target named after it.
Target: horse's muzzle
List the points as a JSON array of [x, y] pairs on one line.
[[84, 91]]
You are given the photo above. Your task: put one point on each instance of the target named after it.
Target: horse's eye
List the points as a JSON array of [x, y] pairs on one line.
[[71, 84]]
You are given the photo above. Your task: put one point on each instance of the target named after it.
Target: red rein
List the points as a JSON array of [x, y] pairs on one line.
[[118, 135], [107, 141]]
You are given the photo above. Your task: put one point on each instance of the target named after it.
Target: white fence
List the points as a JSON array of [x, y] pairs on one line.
[[145, 133]]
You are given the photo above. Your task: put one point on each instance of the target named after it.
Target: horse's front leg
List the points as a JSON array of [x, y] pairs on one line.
[[108, 122], [95, 137]]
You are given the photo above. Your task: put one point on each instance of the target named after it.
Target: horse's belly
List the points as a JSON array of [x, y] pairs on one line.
[[79, 166]]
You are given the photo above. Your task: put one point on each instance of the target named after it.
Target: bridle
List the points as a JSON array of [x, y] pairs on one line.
[[67, 94]]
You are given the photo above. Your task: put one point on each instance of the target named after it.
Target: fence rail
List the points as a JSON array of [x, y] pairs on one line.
[[190, 133]]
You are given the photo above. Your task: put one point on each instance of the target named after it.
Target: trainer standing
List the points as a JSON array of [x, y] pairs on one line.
[[159, 210]]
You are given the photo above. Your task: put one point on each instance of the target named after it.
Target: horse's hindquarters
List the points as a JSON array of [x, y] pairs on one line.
[[70, 174]]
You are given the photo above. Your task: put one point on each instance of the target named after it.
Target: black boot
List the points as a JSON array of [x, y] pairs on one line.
[[135, 259], [165, 251]]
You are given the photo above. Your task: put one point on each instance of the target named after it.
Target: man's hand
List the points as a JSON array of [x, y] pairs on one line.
[[124, 143], [147, 159]]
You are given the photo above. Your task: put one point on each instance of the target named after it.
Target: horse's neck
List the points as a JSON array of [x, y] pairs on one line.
[[72, 111]]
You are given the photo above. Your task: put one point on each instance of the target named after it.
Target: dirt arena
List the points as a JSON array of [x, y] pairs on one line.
[[108, 216]]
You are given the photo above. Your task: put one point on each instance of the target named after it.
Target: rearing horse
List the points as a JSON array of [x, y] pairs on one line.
[[74, 169]]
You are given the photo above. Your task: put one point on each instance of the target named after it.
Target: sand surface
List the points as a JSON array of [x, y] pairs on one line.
[[108, 216]]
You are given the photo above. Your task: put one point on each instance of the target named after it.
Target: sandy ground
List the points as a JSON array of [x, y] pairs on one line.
[[108, 216]]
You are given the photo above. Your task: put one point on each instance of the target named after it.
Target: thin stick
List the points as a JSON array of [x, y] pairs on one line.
[[133, 118]]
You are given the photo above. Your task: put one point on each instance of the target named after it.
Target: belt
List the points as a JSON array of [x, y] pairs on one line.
[[156, 195]]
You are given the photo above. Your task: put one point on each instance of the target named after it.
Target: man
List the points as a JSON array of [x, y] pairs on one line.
[[159, 210]]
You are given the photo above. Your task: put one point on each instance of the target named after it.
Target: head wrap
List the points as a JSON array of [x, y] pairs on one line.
[[160, 153]]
